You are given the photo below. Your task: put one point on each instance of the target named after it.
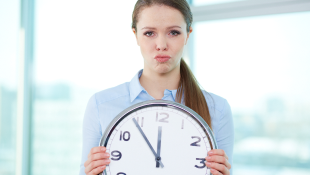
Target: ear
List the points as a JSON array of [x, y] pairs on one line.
[[190, 31], [135, 33]]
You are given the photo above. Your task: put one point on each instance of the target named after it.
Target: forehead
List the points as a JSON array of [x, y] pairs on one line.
[[160, 16]]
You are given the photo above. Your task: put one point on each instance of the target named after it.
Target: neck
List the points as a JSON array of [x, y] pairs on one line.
[[156, 83]]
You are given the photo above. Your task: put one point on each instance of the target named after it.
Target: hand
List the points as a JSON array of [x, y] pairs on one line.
[[157, 158], [217, 160], [97, 160]]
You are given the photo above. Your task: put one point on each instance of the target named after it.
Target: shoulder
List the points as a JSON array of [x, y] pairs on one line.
[[112, 93], [216, 102]]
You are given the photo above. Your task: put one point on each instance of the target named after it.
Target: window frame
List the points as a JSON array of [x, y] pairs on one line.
[[25, 89], [240, 9]]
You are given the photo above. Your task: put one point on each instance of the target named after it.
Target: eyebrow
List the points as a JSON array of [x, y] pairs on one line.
[[155, 28]]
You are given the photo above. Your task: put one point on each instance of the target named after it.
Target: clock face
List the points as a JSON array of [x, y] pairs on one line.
[[177, 135]]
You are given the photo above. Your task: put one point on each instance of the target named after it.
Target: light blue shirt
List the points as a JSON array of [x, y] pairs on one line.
[[107, 104]]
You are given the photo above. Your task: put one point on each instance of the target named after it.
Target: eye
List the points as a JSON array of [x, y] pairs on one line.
[[175, 32], [148, 33]]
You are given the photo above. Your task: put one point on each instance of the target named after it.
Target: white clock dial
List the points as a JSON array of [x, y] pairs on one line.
[[184, 142]]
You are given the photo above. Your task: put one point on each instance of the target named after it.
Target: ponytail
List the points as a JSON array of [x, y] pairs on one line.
[[191, 93]]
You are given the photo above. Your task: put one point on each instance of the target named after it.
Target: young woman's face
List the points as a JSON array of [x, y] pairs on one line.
[[161, 34]]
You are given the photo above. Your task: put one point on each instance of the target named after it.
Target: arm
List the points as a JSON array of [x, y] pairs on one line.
[[225, 141], [93, 157]]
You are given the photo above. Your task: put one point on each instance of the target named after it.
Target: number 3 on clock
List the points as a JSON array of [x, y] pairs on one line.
[[202, 162]]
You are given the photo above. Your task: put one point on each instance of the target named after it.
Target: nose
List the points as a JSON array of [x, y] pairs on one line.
[[161, 44]]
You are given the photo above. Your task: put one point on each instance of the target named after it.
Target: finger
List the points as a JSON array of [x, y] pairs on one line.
[[97, 170], [97, 156], [215, 172], [219, 152], [220, 160], [94, 150], [97, 149], [218, 167], [96, 164]]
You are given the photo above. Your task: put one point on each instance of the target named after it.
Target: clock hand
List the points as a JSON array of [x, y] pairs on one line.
[[147, 141], [158, 144]]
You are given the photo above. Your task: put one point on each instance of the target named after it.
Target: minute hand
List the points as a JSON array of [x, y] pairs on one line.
[[158, 144], [147, 141]]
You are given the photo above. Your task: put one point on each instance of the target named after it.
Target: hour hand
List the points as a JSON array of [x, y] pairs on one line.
[[157, 158]]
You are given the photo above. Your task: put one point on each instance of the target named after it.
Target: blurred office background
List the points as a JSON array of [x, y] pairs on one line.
[[54, 54]]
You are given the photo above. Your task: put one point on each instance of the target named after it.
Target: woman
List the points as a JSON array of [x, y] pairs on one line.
[[162, 29]]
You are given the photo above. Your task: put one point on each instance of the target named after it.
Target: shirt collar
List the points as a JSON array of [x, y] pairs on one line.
[[135, 88], [173, 92]]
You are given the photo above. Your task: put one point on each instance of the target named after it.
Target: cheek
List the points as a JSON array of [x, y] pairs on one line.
[[178, 46], [147, 48]]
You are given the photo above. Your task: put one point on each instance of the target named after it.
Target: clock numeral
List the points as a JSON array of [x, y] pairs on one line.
[[195, 143], [163, 119], [123, 136], [116, 154], [202, 162], [128, 134], [121, 173], [142, 120]]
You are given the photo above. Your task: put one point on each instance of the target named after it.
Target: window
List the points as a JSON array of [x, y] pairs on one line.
[[9, 30], [261, 66], [76, 55]]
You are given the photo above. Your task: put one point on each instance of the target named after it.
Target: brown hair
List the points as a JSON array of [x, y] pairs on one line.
[[188, 88]]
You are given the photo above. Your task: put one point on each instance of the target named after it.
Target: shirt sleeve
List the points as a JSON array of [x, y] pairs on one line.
[[225, 133], [91, 131]]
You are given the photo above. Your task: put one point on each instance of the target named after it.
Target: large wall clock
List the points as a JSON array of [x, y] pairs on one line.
[[158, 137]]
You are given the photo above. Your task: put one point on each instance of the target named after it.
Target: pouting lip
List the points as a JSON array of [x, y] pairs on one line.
[[162, 56]]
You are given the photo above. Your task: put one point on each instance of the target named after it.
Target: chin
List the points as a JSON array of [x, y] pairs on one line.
[[162, 69]]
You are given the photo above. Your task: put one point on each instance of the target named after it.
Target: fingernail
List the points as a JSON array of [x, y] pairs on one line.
[[208, 158], [102, 167], [208, 164], [103, 149], [107, 154], [108, 161], [210, 152]]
